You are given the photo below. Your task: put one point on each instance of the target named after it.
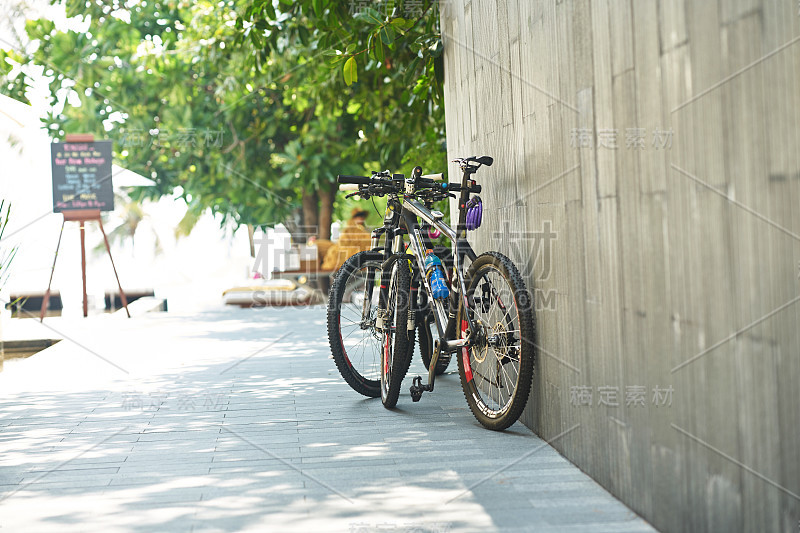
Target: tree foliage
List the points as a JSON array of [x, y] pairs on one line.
[[251, 108], [390, 60]]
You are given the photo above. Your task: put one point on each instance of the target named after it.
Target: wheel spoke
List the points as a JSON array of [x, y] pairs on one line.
[[499, 372], [352, 328]]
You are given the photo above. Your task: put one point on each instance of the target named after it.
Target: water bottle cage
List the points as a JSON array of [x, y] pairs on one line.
[[474, 213]]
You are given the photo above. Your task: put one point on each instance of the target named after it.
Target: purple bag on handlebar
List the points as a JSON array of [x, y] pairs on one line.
[[474, 213]]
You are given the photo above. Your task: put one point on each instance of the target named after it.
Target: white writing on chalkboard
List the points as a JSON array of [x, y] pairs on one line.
[[82, 176]]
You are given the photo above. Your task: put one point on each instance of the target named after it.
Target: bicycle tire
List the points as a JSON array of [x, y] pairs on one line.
[[358, 365], [493, 407], [398, 337]]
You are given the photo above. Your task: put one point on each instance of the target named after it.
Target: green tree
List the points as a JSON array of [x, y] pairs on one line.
[[243, 106], [388, 65]]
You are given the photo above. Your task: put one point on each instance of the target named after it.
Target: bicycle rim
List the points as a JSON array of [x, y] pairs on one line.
[[388, 344], [493, 367], [359, 355]]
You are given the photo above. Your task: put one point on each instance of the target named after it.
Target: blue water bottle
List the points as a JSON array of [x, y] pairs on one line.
[[435, 274]]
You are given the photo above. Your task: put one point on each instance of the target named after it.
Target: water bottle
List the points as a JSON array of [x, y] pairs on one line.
[[435, 274]]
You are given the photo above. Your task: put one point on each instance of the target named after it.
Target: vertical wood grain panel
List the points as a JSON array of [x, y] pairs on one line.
[[670, 261]]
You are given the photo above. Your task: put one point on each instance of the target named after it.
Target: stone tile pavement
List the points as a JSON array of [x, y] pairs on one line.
[[237, 420]]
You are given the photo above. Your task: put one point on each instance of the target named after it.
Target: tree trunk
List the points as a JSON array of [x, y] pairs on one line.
[[250, 232], [310, 212], [326, 199]]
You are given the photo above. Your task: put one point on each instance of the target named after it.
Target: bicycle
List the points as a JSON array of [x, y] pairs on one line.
[[496, 347], [358, 357]]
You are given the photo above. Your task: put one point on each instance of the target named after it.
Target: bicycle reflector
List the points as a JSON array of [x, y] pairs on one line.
[[474, 213]]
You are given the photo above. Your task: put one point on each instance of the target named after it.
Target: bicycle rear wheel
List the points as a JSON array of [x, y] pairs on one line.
[[352, 312], [398, 333], [497, 371]]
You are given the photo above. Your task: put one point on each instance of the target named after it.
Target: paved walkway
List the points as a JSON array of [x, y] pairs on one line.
[[233, 420]]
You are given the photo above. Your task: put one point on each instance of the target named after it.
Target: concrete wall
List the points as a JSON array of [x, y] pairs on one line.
[[647, 179]]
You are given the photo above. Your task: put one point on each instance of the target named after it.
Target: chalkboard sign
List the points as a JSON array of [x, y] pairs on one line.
[[82, 176]]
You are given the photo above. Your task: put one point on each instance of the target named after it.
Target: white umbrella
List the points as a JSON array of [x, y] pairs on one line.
[[122, 177], [14, 113]]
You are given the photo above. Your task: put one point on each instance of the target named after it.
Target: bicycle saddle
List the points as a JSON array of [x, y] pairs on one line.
[[483, 160]]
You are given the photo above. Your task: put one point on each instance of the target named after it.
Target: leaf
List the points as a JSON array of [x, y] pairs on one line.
[[400, 23], [350, 71], [437, 48], [411, 71], [369, 15], [379, 55], [438, 69], [371, 46], [387, 35], [302, 32], [317, 4]]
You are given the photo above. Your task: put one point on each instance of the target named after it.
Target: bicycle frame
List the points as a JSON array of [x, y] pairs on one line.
[[401, 219], [445, 321], [446, 325]]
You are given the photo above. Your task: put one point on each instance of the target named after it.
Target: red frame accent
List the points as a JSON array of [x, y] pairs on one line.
[[465, 353]]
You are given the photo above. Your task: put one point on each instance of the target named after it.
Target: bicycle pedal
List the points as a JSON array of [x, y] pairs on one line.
[[416, 389]]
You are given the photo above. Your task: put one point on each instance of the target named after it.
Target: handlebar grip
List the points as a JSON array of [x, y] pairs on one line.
[[358, 180], [434, 177], [348, 187]]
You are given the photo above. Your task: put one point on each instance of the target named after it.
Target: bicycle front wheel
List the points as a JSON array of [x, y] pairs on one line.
[[497, 371], [398, 333], [352, 311]]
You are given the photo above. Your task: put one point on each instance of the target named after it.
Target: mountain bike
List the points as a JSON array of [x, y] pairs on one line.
[[486, 319], [353, 303]]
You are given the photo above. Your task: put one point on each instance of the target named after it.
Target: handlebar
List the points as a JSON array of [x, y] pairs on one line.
[[377, 185], [427, 183], [358, 180]]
